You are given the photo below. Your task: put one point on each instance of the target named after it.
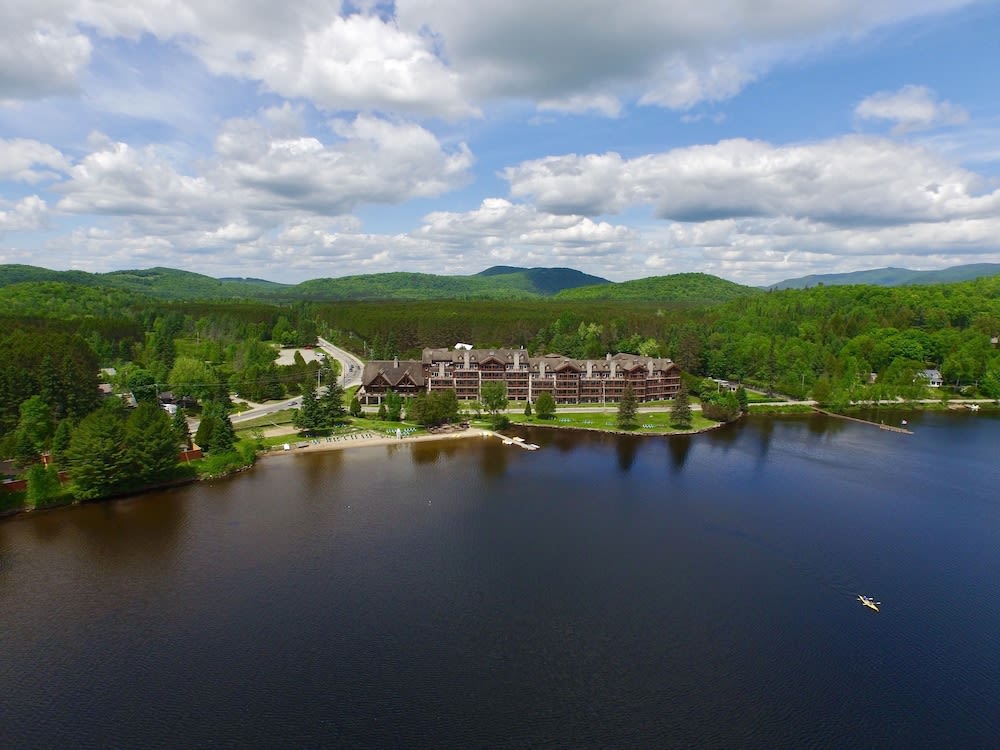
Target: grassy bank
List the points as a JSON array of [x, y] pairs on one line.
[[649, 423]]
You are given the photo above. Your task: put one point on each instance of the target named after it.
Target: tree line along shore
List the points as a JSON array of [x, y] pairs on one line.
[[64, 349]]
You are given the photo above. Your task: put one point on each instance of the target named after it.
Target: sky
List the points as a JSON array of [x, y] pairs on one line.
[[755, 140]]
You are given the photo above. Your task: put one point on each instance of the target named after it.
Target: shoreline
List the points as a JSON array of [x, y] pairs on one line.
[[323, 446], [472, 432]]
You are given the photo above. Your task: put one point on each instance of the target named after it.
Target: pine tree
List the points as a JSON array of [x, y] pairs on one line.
[[741, 397], [355, 407], [215, 432], [308, 417], [182, 432], [61, 442], [527, 408], [332, 405], [680, 413], [628, 409], [545, 405], [97, 457], [152, 442]]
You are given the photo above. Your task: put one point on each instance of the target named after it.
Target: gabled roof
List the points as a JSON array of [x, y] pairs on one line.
[[394, 372]]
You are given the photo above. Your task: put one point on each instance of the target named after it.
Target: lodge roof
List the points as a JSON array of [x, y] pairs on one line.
[[432, 357], [394, 371]]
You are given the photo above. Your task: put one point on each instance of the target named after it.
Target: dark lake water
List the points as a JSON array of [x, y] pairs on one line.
[[599, 592]]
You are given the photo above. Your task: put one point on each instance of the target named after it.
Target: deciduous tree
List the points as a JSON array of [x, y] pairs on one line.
[[494, 397]]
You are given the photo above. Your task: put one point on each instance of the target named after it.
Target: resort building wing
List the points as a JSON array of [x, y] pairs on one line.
[[570, 381]]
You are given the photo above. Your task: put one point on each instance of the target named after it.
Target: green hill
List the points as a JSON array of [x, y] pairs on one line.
[[544, 281], [893, 277], [162, 283], [678, 287], [496, 283]]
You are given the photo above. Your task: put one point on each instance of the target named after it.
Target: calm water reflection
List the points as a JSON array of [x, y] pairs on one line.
[[602, 591]]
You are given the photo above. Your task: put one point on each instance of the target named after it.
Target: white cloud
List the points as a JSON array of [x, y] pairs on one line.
[[253, 170], [911, 108], [446, 57], [41, 52], [20, 159], [673, 54], [27, 214], [500, 222], [375, 161], [853, 181], [117, 179]]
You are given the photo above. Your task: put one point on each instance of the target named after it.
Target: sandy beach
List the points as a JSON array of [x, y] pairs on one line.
[[367, 440]]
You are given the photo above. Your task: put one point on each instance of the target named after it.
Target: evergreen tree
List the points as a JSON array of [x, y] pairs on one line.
[[545, 405], [182, 432], [34, 426], [52, 390], [332, 405], [215, 432], [308, 417], [680, 412], [25, 453], [628, 409], [383, 413], [527, 408], [61, 442], [152, 442], [97, 456], [741, 397], [355, 407]]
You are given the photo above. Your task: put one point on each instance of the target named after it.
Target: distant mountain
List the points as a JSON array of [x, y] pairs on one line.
[[893, 277], [678, 287], [162, 283], [497, 283], [546, 281], [171, 283]]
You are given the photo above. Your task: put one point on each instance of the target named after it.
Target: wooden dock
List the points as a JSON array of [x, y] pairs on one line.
[[880, 425]]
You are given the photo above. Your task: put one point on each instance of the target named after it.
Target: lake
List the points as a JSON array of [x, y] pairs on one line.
[[600, 592]]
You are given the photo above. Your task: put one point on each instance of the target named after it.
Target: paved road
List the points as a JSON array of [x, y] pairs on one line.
[[350, 365]]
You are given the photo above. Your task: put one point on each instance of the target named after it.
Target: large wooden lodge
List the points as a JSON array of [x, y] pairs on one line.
[[570, 381]]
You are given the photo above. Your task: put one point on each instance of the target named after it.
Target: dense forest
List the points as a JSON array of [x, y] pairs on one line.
[[836, 344]]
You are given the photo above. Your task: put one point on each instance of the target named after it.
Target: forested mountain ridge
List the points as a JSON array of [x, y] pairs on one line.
[[546, 281], [700, 288], [161, 283], [893, 277]]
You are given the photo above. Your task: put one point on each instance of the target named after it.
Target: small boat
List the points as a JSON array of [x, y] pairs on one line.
[[973, 407], [869, 601]]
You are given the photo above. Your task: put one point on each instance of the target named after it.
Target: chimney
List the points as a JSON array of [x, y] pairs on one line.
[[608, 356], [517, 360], [466, 359], [395, 361], [611, 373], [541, 369], [441, 369], [590, 369]]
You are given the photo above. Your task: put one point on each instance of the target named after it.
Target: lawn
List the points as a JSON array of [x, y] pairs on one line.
[[654, 423]]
